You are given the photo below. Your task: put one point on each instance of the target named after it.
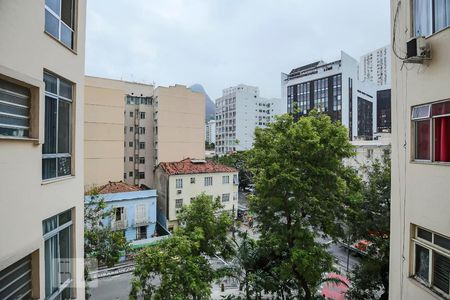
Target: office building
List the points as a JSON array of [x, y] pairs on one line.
[[41, 140], [178, 183], [238, 112], [333, 88], [420, 222]]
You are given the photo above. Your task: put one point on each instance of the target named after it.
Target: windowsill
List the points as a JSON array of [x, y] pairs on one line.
[[427, 289], [17, 138], [437, 32], [61, 43], [57, 179], [429, 162]]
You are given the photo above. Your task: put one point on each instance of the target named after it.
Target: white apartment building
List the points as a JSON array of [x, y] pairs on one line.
[[333, 88], [210, 131], [178, 183], [42, 54], [238, 112], [420, 194]]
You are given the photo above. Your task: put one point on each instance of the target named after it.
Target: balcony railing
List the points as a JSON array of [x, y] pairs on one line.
[[119, 225]]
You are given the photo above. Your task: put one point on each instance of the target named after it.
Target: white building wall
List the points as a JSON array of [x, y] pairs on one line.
[[375, 66]]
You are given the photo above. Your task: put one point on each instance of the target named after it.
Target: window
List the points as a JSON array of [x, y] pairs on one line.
[[208, 181], [178, 203], [131, 114], [60, 20], [141, 175], [130, 158], [142, 145], [432, 260], [225, 179], [131, 129], [118, 213], [130, 174], [57, 148], [432, 131], [57, 256], [225, 197], [141, 130], [142, 115], [17, 275], [141, 233], [125, 175], [179, 183], [430, 16], [14, 110], [142, 160], [192, 180], [235, 179], [130, 144]]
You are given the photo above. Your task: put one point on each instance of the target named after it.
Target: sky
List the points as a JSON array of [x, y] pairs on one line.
[[222, 43]]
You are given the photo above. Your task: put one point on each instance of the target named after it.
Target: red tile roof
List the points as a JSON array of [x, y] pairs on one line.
[[194, 166], [117, 187]]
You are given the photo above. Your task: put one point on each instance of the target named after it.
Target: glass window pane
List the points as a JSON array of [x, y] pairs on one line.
[[50, 126], [51, 24], [423, 140], [51, 266], [422, 263], [50, 83], [424, 234], [54, 5], [441, 108], [64, 127], [49, 224], [66, 36], [422, 17], [441, 14], [441, 272], [48, 168], [65, 253], [65, 217], [67, 12], [442, 241], [65, 89], [64, 166]]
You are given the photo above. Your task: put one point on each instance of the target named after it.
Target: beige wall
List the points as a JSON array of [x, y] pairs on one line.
[[25, 51], [420, 191], [103, 131], [180, 123]]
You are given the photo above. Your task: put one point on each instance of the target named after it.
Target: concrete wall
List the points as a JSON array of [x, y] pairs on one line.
[[420, 191], [103, 131], [180, 121], [25, 52]]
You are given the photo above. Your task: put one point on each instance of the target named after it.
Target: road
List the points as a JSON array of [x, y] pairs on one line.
[[111, 288]]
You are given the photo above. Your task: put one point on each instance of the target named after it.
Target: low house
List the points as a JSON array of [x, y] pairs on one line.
[[133, 212], [178, 183]]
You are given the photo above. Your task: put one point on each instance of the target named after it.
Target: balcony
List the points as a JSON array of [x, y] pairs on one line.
[[119, 225], [141, 222]]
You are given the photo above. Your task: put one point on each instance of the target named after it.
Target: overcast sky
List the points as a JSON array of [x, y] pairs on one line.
[[221, 43]]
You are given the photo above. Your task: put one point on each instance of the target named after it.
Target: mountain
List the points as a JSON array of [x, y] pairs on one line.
[[210, 107]]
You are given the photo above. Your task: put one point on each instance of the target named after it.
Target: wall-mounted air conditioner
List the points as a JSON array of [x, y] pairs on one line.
[[418, 50]]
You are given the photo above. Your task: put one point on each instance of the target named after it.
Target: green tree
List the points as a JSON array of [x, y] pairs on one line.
[[180, 262], [370, 280], [100, 241], [303, 190]]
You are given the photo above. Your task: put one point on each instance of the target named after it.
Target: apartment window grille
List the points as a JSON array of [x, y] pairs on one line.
[[178, 203], [14, 110], [141, 233], [225, 197], [179, 183], [431, 261], [208, 181], [57, 148], [58, 255], [430, 16], [225, 179], [142, 145], [60, 20], [431, 123], [192, 180]]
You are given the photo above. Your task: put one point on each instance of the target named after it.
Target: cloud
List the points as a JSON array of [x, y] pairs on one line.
[[220, 43]]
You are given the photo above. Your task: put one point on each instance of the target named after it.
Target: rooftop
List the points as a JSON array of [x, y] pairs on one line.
[[117, 187], [194, 166]]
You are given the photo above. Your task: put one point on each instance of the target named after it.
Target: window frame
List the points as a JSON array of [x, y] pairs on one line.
[[178, 183], [432, 249], [59, 19]]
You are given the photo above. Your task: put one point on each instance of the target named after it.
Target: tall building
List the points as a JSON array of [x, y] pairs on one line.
[[376, 67], [333, 88], [131, 127], [210, 131], [238, 112], [420, 219], [41, 140]]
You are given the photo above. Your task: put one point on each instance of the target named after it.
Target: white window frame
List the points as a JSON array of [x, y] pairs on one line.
[[179, 183], [226, 196], [225, 179], [62, 23], [208, 181], [177, 201]]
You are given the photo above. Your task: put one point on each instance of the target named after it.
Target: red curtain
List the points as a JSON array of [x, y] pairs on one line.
[[442, 139], [423, 140]]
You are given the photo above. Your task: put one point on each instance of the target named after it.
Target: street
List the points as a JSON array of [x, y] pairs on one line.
[[116, 287]]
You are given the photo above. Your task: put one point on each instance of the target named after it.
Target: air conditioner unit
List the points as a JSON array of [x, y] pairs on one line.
[[417, 50]]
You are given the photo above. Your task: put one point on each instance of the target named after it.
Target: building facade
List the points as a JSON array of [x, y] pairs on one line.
[[210, 132], [333, 88], [103, 131], [420, 222], [238, 112], [41, 140], [178, 183]]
